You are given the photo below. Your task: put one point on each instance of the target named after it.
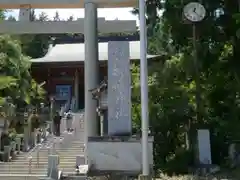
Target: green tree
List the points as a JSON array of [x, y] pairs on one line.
[[172, 86], [35, 45], [15, 69]]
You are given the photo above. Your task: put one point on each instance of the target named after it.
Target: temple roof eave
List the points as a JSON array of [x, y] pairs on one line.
[[57, 60], [72, 53]]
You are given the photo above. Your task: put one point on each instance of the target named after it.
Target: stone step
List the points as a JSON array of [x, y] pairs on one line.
[[46, 154], [41, 161], [39, 165], [18, 171], [40, 168], [21, 176], [71, 177], [61, 155], [69, 157], [64, 144], [73, 149]]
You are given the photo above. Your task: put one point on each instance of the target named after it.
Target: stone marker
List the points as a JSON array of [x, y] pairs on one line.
[[119, 89], [204, 146]]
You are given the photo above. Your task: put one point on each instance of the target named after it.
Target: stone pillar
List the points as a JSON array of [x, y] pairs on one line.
[[24, 14], [91, 68], [76, 89]]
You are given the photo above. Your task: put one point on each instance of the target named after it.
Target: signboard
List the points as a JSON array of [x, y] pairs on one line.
[[63, 92], [119, 88]]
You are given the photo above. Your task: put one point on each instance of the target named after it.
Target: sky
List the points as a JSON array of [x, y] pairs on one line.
[[109, 14]]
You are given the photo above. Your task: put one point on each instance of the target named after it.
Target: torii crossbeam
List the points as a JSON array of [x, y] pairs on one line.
[[52, 4], [61, 27]]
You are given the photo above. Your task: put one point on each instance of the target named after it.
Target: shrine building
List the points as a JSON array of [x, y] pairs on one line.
[[62, 70]]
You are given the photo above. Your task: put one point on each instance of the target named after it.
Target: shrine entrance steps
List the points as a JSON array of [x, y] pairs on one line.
[[33, 165]]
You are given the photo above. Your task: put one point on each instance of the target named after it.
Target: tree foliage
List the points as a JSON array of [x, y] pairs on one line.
[[16, 80], [172, 85]]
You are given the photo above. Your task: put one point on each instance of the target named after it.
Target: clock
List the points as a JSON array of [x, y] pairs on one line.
[[194, 12]]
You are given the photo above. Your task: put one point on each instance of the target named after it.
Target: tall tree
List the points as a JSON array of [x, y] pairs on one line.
[[172, 86], [40, 42]]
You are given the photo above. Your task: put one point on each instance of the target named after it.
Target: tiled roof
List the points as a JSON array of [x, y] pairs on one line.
[[75, 53]]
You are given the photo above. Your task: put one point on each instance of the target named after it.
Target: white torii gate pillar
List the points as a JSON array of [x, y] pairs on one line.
[[91, 68]]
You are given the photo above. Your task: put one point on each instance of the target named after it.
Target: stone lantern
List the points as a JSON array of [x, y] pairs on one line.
[[101, 95]]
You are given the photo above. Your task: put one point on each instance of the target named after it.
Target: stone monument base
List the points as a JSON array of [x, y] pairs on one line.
[[144, 177], [117, 154]]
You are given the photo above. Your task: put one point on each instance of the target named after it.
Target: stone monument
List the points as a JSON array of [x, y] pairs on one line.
[[117, 150], [119, 89]]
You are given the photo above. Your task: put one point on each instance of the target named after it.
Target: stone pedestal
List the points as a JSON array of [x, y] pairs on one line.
[[69, 124], [80, 160], [26, 138], [52, 170], [117, 154], [18, 144], [6, 156], [144, 177]]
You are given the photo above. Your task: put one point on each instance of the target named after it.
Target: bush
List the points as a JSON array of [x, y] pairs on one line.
[[179, 163]]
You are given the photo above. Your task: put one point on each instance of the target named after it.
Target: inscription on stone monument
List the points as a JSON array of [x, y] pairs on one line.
[[119, 88]]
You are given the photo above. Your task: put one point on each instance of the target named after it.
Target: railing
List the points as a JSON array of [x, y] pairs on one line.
[[21, 164]]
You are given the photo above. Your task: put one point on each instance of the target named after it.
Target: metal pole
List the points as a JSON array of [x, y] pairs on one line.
[[144, 87], [197, 75]]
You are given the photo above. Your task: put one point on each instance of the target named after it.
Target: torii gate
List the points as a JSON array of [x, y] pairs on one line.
[[88, 26]]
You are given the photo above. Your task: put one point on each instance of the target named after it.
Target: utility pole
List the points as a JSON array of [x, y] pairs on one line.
[[197, 73], [195, 12], [144, 90]]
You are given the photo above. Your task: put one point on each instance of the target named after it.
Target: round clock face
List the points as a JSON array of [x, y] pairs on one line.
[[194, 12]]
